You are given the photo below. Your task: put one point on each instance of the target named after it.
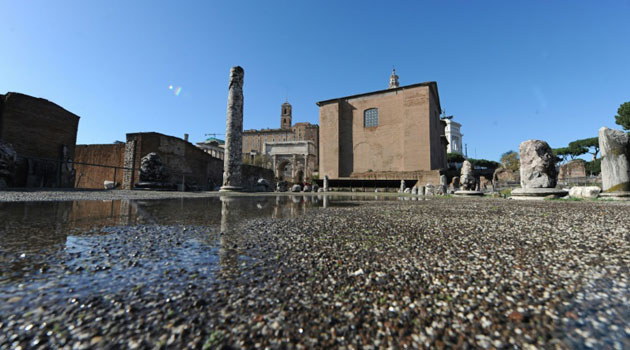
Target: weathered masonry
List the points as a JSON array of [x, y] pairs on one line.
[[43, 135], [385, 134]]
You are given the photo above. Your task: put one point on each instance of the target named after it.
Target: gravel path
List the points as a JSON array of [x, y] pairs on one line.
[[441, 273]]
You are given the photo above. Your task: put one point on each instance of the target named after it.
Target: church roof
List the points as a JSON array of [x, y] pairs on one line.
[[431, 84]]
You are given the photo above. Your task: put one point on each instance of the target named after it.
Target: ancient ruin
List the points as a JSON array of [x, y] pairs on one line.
[[615, 148], [467, 182], [234, 133], [8, 159], [153, 174], [538, 172]]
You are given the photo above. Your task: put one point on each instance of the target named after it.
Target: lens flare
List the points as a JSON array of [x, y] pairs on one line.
[[176, 90]]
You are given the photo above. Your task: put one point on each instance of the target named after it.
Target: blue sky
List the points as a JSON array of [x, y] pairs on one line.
[[508, 71]]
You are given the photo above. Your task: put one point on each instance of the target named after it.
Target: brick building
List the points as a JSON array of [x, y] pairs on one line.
[[387, 134], [44, 136], [254, 140]]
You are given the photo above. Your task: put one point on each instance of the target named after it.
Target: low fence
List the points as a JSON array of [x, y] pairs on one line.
[[35, 172], [581, 181]]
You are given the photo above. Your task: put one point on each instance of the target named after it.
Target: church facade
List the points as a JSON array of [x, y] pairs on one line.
[[395, 133]]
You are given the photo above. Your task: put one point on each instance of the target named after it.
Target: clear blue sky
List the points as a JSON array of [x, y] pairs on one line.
[[508, 71]]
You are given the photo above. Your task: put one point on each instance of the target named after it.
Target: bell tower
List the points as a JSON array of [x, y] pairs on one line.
[[285, 116], [393, 80]]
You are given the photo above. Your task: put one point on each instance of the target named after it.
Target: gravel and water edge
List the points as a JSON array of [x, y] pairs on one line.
[[440, 273]]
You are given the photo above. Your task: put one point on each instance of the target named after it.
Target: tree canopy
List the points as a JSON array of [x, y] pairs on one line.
[[454, 157], [589, 145], [483, 163], [623, 116], [510, 160]]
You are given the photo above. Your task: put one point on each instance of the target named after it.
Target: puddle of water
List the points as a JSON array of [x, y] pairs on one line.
[[72, 249]]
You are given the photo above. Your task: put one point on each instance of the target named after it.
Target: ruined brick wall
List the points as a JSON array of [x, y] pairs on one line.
[[184, 161], [572, 170], [93, 176], [250, 175], [38, 128]]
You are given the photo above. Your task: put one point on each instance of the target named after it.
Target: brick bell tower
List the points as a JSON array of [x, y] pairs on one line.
[[285, 116]]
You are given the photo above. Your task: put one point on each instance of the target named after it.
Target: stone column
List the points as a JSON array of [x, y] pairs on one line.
[[294, 168], [326, 188], [306, 174], [234, 133], [615, 148], [276, 173]]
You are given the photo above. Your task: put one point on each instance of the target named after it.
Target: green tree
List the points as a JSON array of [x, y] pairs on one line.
[[454, 157], [562, 154], [483, 163], [590, 145], [623, 116], [594, 167], [510, 160]]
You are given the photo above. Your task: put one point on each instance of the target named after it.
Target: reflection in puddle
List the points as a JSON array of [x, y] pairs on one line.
[[31, 233]]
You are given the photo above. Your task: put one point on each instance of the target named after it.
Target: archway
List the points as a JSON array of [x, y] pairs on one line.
[[282, 170]]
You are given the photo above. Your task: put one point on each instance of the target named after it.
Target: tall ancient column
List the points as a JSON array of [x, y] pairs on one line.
[[234, 133]]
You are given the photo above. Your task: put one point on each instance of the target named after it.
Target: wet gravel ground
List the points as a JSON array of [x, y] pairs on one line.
[[440, 273]]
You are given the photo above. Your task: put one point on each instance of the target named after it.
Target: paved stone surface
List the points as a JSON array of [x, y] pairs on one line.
[[438, 273]]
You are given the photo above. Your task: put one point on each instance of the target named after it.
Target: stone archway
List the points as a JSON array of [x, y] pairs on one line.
[[290, 158], [280, 171]]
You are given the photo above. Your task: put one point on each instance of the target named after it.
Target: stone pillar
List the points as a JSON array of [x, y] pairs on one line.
[[615, 148], [129, 165], [326, 188], [234, 133], [538, 172], [274, 159], [294, 168], [306, 173]]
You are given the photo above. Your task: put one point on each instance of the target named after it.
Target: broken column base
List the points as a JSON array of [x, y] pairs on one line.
[[231, 189], [616, 195], [538, 193], [466, 193]]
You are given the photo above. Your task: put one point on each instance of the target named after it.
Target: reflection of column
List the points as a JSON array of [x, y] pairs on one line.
[[325, 201], [228, 255]]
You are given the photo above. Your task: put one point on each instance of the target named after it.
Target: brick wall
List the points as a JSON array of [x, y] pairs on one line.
[[183, 160], [407, 137], [38, 128], [92, 176]]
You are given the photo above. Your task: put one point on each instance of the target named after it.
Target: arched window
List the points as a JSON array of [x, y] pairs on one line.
[[370, 118]]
